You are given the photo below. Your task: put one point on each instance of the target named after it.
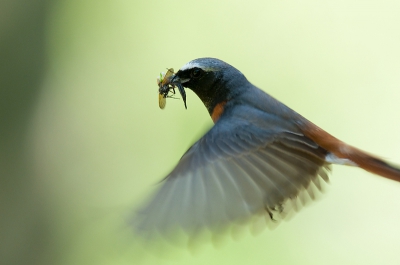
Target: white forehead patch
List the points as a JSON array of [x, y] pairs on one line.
[[190, 65]]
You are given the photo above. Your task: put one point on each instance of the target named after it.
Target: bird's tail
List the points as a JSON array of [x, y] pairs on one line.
[[343, 153], [371, 163]]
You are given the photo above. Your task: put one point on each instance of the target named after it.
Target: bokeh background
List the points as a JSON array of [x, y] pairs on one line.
[[82, 140]]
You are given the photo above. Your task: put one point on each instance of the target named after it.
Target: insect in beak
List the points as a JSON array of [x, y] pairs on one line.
[[166, 87]]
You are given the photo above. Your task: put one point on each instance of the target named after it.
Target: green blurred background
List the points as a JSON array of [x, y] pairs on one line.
[[82, 139]]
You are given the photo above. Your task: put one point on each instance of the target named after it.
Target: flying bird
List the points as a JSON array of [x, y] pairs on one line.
[[258, 160]]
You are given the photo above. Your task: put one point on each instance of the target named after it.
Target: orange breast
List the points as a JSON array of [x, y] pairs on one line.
[[217, 111]]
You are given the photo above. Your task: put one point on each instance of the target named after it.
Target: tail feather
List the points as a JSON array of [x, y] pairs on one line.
[[342, 150], [373, 164]]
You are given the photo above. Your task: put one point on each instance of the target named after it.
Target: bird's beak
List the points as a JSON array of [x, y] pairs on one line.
[[175, 80]]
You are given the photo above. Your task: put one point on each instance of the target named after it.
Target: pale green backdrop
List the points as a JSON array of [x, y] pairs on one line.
[[95, 140]]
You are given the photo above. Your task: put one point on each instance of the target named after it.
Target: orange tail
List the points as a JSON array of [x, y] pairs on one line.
[[342, 150]]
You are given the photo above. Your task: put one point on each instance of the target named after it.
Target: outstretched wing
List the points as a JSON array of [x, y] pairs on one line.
[[234, 172]]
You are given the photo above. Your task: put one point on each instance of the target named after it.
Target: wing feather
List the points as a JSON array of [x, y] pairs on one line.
[[237, 173]]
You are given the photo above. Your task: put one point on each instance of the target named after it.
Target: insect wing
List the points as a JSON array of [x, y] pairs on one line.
[[167, 77], [162, 101]]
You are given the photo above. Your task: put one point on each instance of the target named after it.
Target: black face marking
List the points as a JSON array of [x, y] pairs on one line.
[[207, 78]]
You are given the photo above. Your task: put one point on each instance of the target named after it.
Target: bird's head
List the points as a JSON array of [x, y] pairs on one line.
[[213, 80]]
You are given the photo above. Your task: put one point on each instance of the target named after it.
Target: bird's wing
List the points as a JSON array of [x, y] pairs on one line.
[[235, 171]]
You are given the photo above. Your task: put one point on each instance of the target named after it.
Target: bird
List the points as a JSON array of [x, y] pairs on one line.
[[259, 161]]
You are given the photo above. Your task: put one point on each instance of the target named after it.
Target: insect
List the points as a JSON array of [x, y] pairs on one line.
[[164, 87]]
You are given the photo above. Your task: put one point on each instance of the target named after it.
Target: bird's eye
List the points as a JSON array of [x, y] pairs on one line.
[[196, 73]]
